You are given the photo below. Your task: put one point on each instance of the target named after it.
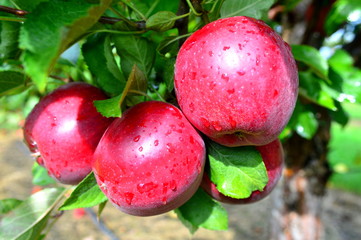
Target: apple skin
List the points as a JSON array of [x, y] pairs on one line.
[[237, 81], [63, 130], [151, 160], [273, 159]]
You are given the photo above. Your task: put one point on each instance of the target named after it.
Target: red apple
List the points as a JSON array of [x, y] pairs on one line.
[[236, 81], [150, 160], [272, 155], [63, 130]]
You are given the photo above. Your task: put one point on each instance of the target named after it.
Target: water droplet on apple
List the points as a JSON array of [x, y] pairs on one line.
[[156, 142], [146, 187], [225, 77], [164, 200], [216, 126], [128, 197], [231, 91], [225, 48], [275, 93], [170, 148], [140, 149], [136, 139], [241, 73], [173, 185], [191, 107], [205, 122], [191, 139], [165, 188]]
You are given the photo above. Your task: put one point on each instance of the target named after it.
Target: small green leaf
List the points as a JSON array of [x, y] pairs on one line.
[[202, 211], [109, 107], [236, 171], [161, 21], [10, 80], [312, 58], [86, 194], [136, 85], [251, 8], [134, 49], [50, 29], [307, 124], [98, 56], [41, 176], [30, 217], [6, 205]]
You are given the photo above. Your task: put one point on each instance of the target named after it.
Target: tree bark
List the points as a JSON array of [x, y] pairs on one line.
[[298, 200]]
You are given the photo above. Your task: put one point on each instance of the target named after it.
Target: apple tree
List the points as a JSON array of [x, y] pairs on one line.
[[177, 105]]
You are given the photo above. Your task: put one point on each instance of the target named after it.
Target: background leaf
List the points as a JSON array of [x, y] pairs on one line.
[[236, 171], [86, 194], [6, 205], [202, 211], [97, 52], [41, 176], [9, 34], [161, 21], [10, 80], [312, 58], [339, 13], [134, 49], [29, 217], [50, 29], [251, 8]]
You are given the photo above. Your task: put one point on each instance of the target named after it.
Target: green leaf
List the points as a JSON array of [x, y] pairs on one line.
[[6, 205], [251, 8], [345, 78], [28, 5], [161, 21], [303, 120], [339, 14], [86, 194], [10, 80], [202, 211], [315, 90], [41, 176], [148, 7], [136, 85], [29, 218], [134, 49], [97, 52], [9, 34], [50, 29], [312, 58], [214, 9], [109, 107], [236, 171]]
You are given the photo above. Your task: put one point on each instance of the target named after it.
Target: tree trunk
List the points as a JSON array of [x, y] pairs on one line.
[[298, 204]]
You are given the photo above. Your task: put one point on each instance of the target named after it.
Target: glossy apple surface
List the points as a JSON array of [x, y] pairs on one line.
[[150, 160], [63, 130], [272, 155], [236, 81]]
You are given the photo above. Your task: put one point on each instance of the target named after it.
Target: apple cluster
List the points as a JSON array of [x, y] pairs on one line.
[[236, 84]]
